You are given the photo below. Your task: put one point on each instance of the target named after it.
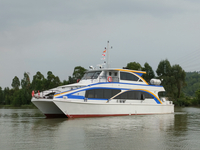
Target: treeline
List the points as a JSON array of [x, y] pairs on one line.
[[193, 83], [20, 93], [173, 77]]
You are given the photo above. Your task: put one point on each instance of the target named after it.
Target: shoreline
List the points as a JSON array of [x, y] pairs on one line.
[[18, 107]]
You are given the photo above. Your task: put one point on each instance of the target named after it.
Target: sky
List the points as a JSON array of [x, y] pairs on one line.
[[57, 36]]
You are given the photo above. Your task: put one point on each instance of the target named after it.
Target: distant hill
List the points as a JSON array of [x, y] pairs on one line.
[[193, 83]]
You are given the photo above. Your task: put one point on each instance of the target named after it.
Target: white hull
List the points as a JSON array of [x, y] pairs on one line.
[[47, 107], [91, 109]]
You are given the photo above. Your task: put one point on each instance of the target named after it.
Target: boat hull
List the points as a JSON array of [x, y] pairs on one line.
[[86, 109], [48, 108]]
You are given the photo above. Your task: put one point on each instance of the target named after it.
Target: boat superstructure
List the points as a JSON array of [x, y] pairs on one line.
[[113, 92]]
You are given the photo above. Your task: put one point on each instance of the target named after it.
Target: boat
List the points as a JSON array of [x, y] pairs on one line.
[[114, 92], [105, 92]]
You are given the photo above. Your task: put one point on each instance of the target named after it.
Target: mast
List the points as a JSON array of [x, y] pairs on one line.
[[107, 58]]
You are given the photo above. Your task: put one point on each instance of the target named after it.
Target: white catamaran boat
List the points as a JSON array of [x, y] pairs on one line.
[[114, 92], [105, 92]]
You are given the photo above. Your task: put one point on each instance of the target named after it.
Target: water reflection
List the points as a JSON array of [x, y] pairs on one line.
[[29, 129]]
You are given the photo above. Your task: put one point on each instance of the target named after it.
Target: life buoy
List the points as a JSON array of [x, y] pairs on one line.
[[33, 93], [109, 79]]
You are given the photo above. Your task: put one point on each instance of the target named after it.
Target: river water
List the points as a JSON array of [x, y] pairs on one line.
[[28, 129]]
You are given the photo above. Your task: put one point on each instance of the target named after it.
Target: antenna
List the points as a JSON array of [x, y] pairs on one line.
[[108, 56]]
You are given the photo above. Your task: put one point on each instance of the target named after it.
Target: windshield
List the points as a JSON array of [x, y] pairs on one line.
[[91, 75]]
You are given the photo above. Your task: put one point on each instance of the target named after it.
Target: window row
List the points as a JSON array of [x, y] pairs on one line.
[[136, 95], [101, 93], [108, 93]]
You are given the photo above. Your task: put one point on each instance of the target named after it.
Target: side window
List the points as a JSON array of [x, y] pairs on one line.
[[89, 93], [147, 95], [128, 76], [107, 93], [134, 95], [101, 93]]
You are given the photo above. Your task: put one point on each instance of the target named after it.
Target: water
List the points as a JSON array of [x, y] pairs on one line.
[[27, 129]]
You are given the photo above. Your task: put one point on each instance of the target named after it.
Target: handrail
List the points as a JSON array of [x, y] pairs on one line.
[[44, 94]]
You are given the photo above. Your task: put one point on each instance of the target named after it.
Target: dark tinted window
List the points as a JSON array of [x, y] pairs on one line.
[[91, 75], [108, 93], [128, 76], [162, 94], [101, 93], [90, 93], [147, 95], [134, 95]]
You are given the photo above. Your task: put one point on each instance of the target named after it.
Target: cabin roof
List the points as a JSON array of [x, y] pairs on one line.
[[124, 70]]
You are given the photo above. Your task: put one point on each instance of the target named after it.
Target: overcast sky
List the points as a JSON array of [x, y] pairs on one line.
[[57, 35]]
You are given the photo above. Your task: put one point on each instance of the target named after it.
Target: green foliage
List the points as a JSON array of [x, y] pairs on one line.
[[193, 83], [179, 75], [164, 68], [19, 97], [78, 72], [38, 82], [184, 102], [15, 83], [51, 81], [197, 96], [25, 82], [1, 96], [149, 72], [134, 66], [173, 78]]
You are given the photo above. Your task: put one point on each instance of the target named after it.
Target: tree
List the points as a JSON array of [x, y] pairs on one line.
[[179, 74], [15, 83], [26, 89], [25, 82], [134, 66], [78, 72], [65, 82], [164, 68], [38, 82], [164, 74], [8, 95], [17, 98], [192, 80], [149, 72], [173, 78], [71, 80], [197, 94], [1, 96], [52, 81]]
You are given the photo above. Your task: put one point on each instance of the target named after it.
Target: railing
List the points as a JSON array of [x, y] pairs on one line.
[[49, 94]]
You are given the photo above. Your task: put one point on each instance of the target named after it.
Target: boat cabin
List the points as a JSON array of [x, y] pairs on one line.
[[113, 75]]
